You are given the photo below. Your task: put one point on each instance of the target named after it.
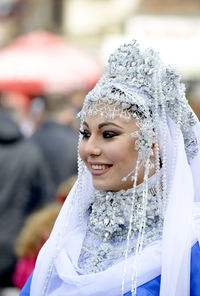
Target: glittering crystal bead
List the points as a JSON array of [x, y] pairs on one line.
[[107, 197], [106, 221], [106, 235]]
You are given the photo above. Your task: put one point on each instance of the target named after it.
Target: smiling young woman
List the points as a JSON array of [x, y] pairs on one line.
[[107, 149], [130, 224]]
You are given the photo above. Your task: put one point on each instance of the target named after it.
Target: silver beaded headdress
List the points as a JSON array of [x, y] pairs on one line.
[[137, 83]]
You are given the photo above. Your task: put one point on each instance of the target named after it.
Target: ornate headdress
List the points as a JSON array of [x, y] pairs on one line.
[[137, 84]]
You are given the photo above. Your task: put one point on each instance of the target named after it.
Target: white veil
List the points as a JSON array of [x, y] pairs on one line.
[[178, 236]]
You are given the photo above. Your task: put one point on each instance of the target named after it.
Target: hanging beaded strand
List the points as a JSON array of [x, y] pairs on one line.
[[157, 164], [141, 231], [130, 228], [82, 189], [175, 146], [80, 185], [164, 133]]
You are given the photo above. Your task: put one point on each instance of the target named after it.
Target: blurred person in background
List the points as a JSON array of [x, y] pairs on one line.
[[35, 232], [64, 188], [33, 235], [37, 111], [76, 98], [56, 137], [19, 104], [25, 186]]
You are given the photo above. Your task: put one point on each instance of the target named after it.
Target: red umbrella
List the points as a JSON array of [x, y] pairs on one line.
[[42, 62]]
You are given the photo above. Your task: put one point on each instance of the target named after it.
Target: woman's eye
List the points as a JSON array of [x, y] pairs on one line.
[[109, 134], [85, 134]]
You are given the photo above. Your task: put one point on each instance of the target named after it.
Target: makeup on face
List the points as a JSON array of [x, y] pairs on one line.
[[107, 150]]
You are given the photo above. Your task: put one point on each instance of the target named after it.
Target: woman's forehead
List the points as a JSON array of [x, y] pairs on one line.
[[100, 121]]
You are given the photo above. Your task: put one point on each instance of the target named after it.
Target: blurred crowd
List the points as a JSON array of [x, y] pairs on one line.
[[38, 159]]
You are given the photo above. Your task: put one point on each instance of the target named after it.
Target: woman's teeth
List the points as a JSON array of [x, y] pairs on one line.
[[99, 167]]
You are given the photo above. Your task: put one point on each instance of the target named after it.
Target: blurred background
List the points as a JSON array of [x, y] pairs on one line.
[[80, 34], [52, 52]]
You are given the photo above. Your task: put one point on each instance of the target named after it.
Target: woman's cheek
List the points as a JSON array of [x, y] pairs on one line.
[[116, 153]]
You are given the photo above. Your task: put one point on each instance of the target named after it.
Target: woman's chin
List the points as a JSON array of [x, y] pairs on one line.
[[111, 187]]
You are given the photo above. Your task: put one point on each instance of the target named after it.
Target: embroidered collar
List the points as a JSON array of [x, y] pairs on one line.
[[108, 225]]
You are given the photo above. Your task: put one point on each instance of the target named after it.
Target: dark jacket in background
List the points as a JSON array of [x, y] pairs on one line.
[[58, 144], [24, 187]]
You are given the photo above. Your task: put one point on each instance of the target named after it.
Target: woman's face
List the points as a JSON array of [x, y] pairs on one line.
[[107, 150]]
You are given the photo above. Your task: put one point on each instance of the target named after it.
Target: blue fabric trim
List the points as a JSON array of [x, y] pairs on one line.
[[26, 289], [150, 288], [195, 271]]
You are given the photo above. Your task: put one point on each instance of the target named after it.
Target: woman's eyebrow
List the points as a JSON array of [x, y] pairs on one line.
[[108, 123], [85, 123]]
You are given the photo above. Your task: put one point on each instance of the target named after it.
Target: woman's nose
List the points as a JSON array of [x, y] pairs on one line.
[[93, 147]]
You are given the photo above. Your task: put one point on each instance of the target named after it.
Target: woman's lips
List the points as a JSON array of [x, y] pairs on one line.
[[100, 169]]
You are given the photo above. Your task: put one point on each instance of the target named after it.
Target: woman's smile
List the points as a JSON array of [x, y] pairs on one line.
[[99, 169]]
